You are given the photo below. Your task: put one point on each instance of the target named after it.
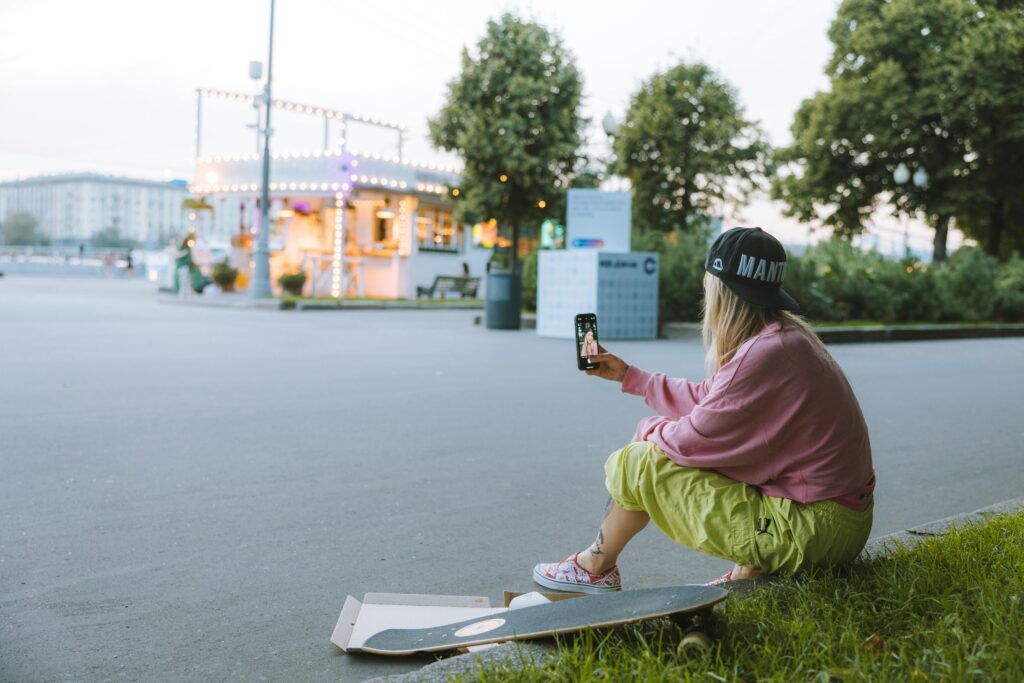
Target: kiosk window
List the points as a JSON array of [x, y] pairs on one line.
[[435, 229]]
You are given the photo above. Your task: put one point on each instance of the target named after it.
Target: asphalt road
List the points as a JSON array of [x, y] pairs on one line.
[[188, 494]]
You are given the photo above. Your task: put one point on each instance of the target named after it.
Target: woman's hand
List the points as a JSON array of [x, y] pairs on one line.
[[612, 367]]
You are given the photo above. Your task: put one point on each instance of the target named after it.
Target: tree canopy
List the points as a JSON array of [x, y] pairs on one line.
[[935, 86], [687, 148], [512, 114], [21, 228]]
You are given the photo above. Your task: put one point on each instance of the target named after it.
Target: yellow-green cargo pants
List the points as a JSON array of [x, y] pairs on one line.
[[709, 512]]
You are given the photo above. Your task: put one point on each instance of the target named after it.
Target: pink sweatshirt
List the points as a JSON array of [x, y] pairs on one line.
[[780, 416]]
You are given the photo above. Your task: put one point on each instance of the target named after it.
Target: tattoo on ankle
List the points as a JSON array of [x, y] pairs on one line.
[[595, 548]]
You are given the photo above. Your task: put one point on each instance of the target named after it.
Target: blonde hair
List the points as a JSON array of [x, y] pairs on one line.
[[729, 321]]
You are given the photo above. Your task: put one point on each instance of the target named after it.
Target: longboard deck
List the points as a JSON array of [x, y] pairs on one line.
[[538, 621]]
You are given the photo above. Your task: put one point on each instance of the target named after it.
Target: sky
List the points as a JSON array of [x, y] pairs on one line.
[[109, 85]]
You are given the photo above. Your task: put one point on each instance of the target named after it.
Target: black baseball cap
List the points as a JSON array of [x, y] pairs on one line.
[[752, 264]]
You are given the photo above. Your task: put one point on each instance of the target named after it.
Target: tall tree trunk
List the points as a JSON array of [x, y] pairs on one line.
[[996, 223], [941, 233]]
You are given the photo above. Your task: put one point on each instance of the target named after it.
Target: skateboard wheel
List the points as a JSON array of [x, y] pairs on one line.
[[694, 643]]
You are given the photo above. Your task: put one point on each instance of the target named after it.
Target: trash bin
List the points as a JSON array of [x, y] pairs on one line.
[[504, 301]]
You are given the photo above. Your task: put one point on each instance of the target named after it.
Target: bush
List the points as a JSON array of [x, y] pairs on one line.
[[680, 272], [836, 282], [967, 286], [1009, 304], [529, 275], [293, 283], [224, 275], [852, 284]]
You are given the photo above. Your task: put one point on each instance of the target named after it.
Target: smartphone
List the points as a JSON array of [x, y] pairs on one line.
[[586, 340]]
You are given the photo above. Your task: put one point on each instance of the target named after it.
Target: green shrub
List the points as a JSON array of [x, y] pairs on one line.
[[1009, 304], [835, 282], [680, 273], [529, 275], [917, 294], [293, 283], [858, 283], [967, 286], [224, 276]]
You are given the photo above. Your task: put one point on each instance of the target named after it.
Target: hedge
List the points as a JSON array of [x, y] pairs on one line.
[[836, 282]]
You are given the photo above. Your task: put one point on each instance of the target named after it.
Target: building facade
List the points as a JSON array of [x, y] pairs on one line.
[[357, 223], [73, 207]]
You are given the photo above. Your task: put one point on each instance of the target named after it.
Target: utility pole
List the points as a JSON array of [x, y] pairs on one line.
[[261, 257]]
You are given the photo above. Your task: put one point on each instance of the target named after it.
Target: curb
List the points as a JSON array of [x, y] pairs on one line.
[[244, 303], [454, 304], [241, 304], [516, 653], [880, 546], [876, 333], [881, 333]]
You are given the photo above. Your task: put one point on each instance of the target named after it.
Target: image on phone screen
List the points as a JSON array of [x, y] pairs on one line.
[[586, 340]]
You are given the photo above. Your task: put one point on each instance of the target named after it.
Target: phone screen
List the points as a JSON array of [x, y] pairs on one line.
[[586, 340]]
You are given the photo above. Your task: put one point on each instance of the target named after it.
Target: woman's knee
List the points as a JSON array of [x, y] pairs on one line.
[[625, 474]]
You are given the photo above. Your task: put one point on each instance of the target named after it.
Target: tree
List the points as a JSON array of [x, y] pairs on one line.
[[898, 94], [687, 148], [512, 114], [21, 228], [987, 65]]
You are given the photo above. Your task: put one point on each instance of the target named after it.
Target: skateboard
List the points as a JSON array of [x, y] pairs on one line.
[[688, 606]]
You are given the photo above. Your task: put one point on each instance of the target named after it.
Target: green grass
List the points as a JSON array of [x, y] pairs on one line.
[[949, 609]]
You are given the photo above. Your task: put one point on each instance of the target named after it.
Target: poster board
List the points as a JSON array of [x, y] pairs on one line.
[[601, 220]]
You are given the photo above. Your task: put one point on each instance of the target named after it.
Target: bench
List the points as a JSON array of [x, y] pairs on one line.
[[444, 284]]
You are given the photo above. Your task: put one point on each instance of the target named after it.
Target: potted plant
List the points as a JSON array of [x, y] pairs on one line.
[[224, 276], [293, 282]]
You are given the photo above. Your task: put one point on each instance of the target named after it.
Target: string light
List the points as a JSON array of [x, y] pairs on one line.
[[319, 187], [420, 165], [405, 227], [304, 108], [337, 264], [503, 178]]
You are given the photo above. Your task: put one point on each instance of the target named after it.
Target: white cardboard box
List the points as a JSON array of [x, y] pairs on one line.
[[380, 611]]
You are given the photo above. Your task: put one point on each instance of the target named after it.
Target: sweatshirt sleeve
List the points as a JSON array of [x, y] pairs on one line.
[[718, 434], [672, 398], [725, 428]]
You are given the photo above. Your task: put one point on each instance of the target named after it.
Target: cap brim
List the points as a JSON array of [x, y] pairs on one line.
[[778, 299]]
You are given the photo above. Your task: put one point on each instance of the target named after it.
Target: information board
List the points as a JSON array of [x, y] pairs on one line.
[[598, 220]]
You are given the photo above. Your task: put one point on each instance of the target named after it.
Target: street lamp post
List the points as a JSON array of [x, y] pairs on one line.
[[611, 128], [919, 179], [256, 73], [261, 256]]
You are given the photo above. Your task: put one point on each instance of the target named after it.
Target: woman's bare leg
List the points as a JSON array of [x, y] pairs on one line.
[[740, 572], [617, 528]]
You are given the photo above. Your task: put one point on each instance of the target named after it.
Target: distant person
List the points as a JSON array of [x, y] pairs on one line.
[[766, 463], [81, 250], [128, 262], [109, 259], [183, 267]]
